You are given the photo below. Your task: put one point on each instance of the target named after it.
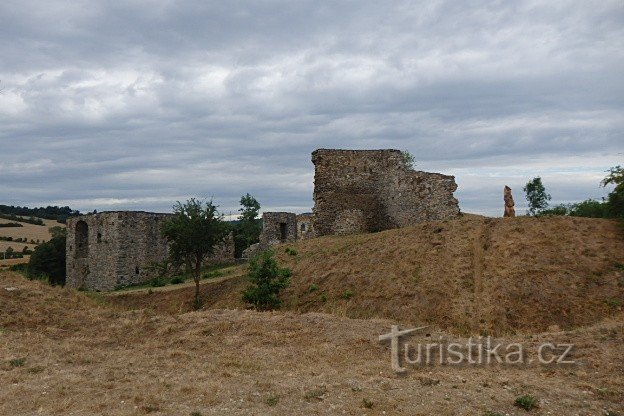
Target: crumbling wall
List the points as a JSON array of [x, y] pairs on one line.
[[305, 229], [357, 191], [277, 228], [224, 251], [114, 249]]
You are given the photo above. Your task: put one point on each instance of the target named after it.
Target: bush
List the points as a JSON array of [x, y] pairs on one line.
[[48, 260], [177, 280], [526, 402], [11, 224], [590, 209], [268, 280], [291, 251], [158, 282], [347, 294], [313, 288]]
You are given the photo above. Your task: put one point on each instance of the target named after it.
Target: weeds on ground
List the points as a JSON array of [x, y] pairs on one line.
[[316, 394], [272, 400], [526, 402], [367, 403], [347, 294], [17, 362]]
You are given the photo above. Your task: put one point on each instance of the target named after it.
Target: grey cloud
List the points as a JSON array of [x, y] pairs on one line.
[[124, 105]]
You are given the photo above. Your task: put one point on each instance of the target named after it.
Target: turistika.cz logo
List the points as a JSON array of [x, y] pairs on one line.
[[475, 351]]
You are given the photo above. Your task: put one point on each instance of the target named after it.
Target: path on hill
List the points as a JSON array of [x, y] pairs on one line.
[[171, 287]]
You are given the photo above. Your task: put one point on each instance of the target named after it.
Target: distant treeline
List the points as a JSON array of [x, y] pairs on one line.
[[60, 214], [11, 224]]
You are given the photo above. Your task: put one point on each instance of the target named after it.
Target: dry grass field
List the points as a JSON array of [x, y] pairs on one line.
[[527, 281], [64, 353], [28, 231]]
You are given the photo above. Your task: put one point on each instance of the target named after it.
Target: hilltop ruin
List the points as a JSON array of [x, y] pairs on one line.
[[360, 191]]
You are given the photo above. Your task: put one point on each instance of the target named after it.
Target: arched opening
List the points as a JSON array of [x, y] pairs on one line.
[[82, 239]]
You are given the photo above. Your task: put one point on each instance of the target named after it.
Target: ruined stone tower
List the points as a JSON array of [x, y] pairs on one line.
[[115, 249], [112, 249], [359, 191]]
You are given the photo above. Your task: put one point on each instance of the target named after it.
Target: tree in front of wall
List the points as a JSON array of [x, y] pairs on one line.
[[247, 229], [193, 231]]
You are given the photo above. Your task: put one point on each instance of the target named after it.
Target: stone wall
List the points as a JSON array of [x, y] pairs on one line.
[[358, 191], [277, 228], [305, 229], [114, 249], [224, 252]]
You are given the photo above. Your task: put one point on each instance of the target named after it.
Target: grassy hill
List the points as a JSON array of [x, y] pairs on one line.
[[474, 275], [67, 352]]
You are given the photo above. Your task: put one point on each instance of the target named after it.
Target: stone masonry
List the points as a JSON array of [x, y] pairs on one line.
[[277, 228], [359, 191], [115, 249], [305, 229]]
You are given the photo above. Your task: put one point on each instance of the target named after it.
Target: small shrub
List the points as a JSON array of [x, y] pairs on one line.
[[196, 413], [291, 251], [618, 265], [35, 370], [347, 294], [526, 402], [150, 408], [367, 403], [408, 159], [177, 280], [268, 280], [212, 274], [316, 394], [313, 288], [272, 400], [158, 282], [17, 362], [323, 297], [614, 303]]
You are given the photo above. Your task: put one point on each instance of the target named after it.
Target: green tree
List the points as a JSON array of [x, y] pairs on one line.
[[248, 228], [409, 159], [536, 196], [193, 231], [48, 259], [615, 199], [268, 280]]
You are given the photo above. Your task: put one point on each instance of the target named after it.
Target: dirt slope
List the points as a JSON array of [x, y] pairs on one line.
[[472, 276], [62, 353]]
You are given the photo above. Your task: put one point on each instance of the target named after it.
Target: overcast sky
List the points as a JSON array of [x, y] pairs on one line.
[[113, 105]]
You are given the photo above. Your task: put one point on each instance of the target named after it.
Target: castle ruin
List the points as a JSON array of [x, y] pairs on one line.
[[359, 191], [113, 249]]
